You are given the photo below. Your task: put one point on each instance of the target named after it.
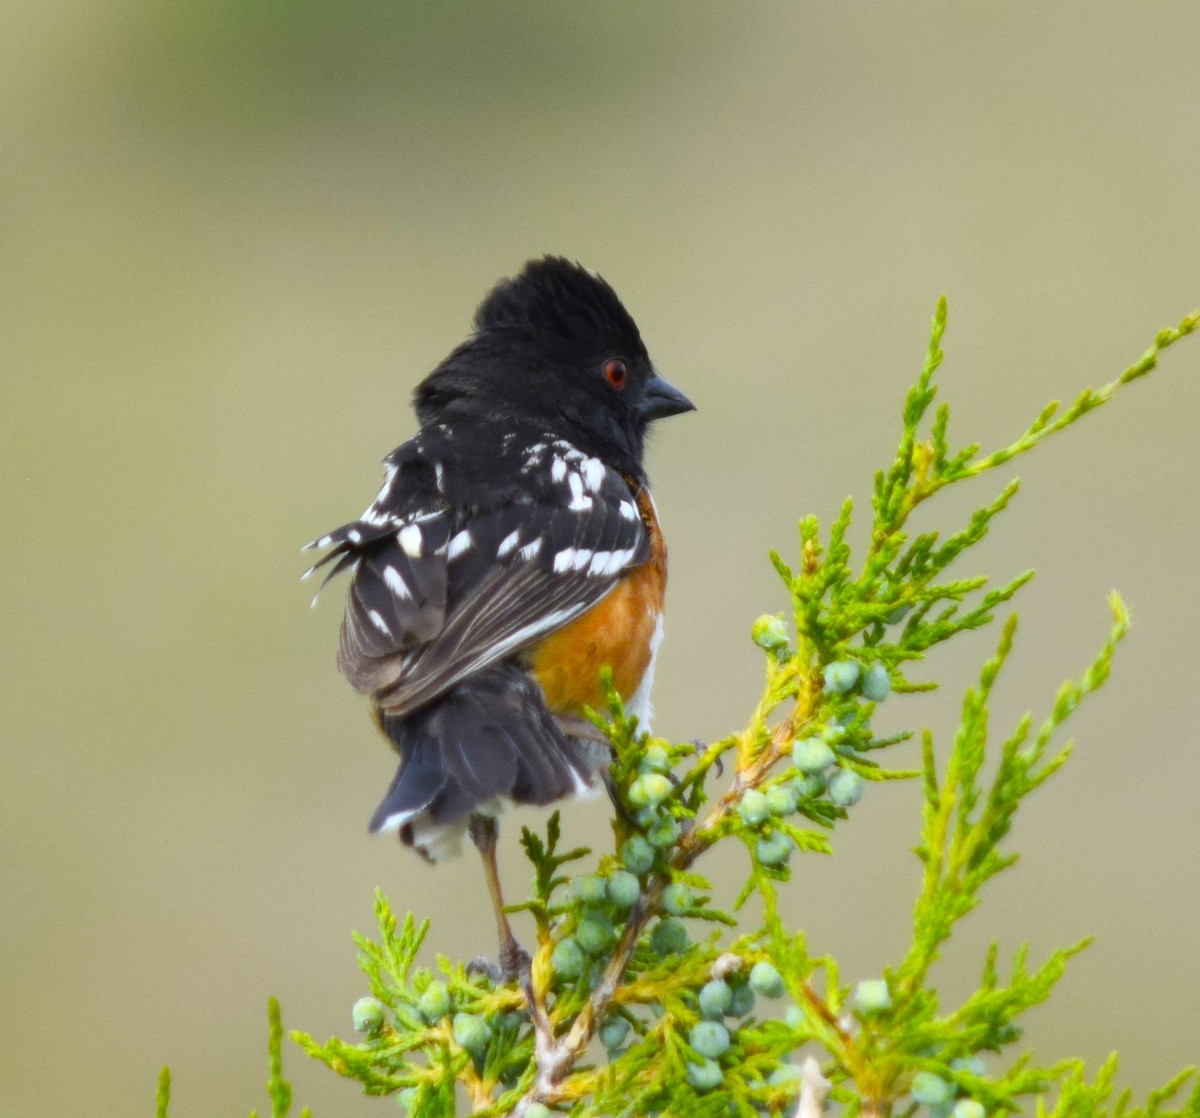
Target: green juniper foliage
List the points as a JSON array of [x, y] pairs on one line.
[[278, 1088], [647, 996]]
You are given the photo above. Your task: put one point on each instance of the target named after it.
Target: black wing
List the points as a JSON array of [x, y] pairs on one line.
[[452, 573]]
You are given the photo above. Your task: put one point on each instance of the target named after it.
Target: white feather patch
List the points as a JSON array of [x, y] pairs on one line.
[[639, 702], [579, 502], [460, 543], [395, 583], [409, 538], [593, 473], [584, 789], [508, 544], [606, 563]]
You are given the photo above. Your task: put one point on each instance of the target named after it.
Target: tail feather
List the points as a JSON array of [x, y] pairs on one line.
[[488, 741]]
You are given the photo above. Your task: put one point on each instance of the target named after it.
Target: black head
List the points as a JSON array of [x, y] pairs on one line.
[[555, 346]]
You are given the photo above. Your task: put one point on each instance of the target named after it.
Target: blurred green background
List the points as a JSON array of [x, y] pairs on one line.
[[235, 235]]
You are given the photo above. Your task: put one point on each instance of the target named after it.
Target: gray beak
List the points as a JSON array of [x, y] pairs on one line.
[[662, 399]]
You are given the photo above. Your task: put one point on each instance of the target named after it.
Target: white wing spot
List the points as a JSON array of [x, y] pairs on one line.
[[397, 585], [605, 563], [558, 469], [582, 557], [570, 453], [563, 560], [508, 543], [579, 502], [439, 474], [378, 621], [629, 510], [462, 542], [593, 473], [410, 539], [600, 560], [530, 550], [354, 535]]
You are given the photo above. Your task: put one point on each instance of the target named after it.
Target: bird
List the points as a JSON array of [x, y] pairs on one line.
[[513, 553]]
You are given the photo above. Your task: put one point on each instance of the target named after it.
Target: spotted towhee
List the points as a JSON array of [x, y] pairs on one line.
[[513, 552]]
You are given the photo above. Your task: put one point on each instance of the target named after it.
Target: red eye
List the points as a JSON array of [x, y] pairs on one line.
[[616, 372]]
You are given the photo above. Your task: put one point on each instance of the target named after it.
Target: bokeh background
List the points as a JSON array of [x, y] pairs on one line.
[[236, 235]]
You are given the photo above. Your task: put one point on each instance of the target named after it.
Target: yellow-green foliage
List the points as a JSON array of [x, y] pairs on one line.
[[699, 1010]]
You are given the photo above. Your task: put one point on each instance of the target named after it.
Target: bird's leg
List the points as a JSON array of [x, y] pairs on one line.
[[514, 960]]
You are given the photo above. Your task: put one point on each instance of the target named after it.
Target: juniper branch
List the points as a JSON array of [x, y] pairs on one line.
[[613, 959]]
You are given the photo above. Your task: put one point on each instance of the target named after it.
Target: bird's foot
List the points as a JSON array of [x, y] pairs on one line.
[[514, 964], [700, 746], [515, 960], [481, 964]]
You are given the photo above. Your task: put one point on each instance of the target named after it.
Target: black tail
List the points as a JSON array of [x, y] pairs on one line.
[[488, 741]]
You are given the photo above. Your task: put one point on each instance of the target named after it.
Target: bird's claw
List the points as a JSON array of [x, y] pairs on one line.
[[481, 964], [700, 746], [514, 964], [515, 961]]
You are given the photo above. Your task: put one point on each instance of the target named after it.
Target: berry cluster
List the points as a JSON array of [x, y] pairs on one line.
[[724, 1006], [944, 1097]]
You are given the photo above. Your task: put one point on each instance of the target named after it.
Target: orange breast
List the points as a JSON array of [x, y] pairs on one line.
[[617, 633]]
